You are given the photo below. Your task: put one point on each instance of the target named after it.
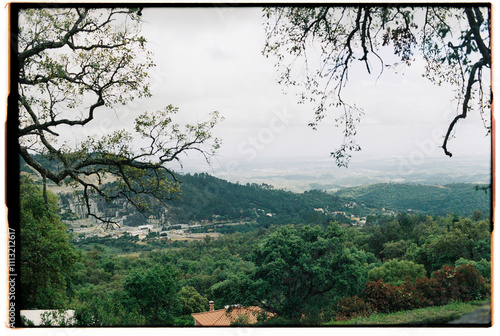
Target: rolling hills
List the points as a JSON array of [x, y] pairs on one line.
[[209, 198], [458, 198]]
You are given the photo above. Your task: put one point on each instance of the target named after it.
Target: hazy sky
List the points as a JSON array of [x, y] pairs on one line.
[[211, 59]]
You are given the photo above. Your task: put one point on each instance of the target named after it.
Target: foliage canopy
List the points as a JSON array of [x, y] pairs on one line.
[[297, 267], [48, 259]]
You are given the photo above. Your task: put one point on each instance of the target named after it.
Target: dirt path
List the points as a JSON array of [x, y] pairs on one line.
[[481, 316]]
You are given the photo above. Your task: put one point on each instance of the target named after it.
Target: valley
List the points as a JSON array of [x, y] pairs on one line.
[[212, 206], [286, 192]]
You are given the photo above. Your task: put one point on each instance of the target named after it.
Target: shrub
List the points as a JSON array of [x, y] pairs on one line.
[[382, 296], [462, 283], [387, 298], [432, 292], [395, 271], [482, 266], [351, 307], [448, 284], [412, 295]]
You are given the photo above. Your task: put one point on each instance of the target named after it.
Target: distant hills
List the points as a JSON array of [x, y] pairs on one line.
[[306, 174], [205, 196], [208, 198], [458, 198]]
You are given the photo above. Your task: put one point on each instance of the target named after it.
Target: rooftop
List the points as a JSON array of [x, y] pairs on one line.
[[225, 317]]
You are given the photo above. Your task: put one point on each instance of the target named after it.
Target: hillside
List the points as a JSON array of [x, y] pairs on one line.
[[458, 198], [205, 197]]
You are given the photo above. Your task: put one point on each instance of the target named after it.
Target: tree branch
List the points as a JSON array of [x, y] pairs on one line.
[[465, 104], [472, 15]]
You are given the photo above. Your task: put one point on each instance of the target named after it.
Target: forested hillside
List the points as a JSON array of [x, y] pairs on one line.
[[458, 198], [205, 197]]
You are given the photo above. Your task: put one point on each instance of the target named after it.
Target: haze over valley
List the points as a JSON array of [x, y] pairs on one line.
[[302, 174]]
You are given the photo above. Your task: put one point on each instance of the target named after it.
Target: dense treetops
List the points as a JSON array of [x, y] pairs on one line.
[[48, 259], [306, 274]]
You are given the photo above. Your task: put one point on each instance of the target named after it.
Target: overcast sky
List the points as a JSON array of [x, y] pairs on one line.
[[211, 59]]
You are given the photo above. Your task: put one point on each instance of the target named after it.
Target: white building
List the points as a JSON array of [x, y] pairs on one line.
[[49, 317]]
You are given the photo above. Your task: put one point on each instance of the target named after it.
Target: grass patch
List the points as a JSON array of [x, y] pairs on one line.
[[416, 317]]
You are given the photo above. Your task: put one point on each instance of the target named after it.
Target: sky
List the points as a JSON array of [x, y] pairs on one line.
[[211, 59]]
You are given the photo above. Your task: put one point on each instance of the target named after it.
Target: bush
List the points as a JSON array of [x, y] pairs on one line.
[[396, 272], [351, 307], [382, 296], [388, 298], [448, 284], [412, 295], [482, 266], [432, 291], [462, 283]]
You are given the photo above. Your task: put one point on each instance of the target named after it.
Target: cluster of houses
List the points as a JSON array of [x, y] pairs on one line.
[[82, 230], [355, 220]]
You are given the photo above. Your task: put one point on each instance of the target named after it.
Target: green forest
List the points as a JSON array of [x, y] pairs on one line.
[[204, 195], [302, 273], [435, 199]]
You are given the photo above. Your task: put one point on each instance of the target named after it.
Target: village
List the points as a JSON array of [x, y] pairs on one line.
[[84, 228], [162, 229]]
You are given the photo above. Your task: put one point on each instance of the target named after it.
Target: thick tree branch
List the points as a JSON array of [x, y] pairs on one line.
[[69, 122], [364, 35], [465, 104], [68, 37], [475, 19], [22, 56]]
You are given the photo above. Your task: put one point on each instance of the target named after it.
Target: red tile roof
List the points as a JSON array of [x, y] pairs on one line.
[[224, 317]]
